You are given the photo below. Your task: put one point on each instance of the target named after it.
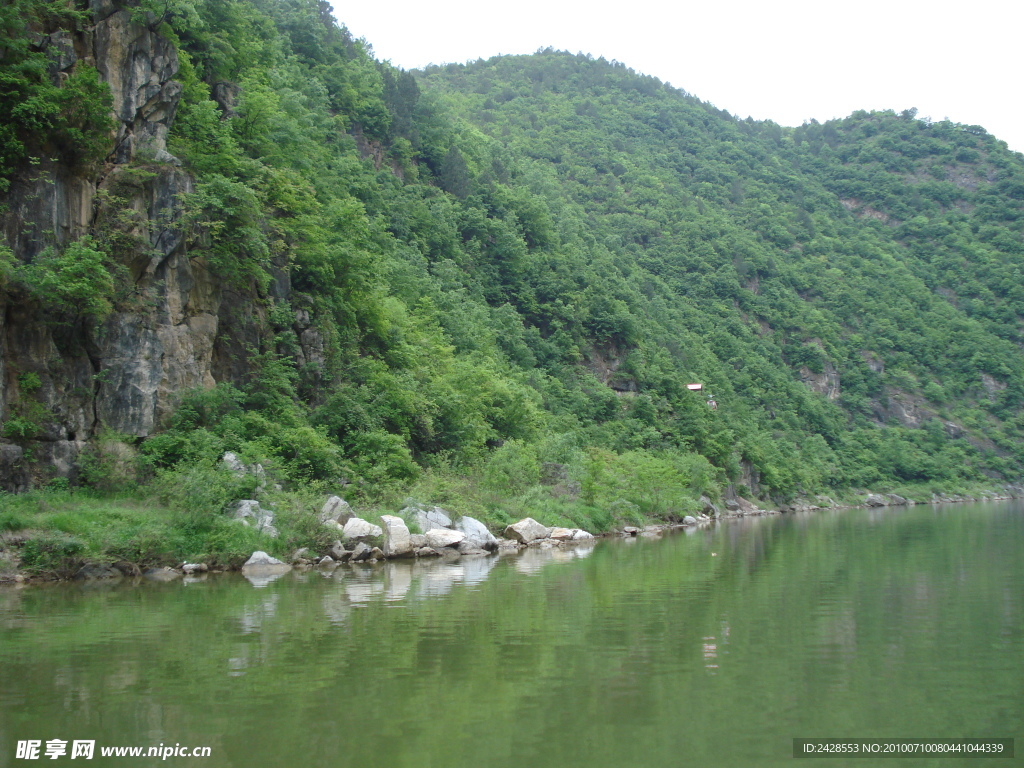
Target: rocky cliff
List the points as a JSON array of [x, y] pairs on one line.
[[78, 377]]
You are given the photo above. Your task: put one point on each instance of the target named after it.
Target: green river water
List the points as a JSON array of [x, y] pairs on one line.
[[715, 647]]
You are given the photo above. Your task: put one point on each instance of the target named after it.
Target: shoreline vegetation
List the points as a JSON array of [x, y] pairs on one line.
[[63, 534], [247, 267]]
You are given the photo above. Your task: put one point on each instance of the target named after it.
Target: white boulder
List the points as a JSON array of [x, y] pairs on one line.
[[476, 531], [397, 541], [439, 538], [526, 530], [358, 529], [260, 559]]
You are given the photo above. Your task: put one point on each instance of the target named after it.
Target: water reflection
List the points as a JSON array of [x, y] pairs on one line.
[[532, 560], [712, 648], [260, 578], [405, 581]]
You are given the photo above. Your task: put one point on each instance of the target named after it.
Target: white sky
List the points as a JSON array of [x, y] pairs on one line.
[[787, 61]]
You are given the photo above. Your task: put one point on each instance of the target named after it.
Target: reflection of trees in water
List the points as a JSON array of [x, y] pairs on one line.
[[768, 622]]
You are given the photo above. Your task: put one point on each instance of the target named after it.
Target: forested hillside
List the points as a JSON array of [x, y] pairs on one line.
[[502, 276], [874, 259]]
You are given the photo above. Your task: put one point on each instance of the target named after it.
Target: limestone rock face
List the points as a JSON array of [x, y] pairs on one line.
[[139, 66], [826, 382], [184, 328], [127, 372], [526, 530]]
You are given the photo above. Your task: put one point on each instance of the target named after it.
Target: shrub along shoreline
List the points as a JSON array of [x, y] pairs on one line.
[[55, 533]]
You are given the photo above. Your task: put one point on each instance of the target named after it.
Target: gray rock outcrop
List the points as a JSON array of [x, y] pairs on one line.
[[128, 372], [184, 327], [233, 464], [249, 512], [427, 518], [526, 530], [707, 507], [336, 510]]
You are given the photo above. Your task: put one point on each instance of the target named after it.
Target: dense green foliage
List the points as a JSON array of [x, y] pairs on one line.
[[39, 114], [522, 262], [768, 248]]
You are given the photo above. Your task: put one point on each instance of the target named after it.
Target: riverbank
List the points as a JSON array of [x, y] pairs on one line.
[[62, 534]]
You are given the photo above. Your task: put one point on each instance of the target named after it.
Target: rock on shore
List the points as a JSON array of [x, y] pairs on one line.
[[527, 530]]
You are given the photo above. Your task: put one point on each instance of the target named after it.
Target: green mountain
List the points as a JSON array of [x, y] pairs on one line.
[[497, 277]]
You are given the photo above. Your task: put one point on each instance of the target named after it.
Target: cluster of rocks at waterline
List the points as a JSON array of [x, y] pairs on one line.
[[362, 541]]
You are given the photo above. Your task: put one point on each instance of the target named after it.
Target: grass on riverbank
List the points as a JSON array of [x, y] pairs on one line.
[[185, 515], [56, 532]]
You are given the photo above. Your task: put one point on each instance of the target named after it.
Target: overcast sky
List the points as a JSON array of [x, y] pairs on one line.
[[787, 61]]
